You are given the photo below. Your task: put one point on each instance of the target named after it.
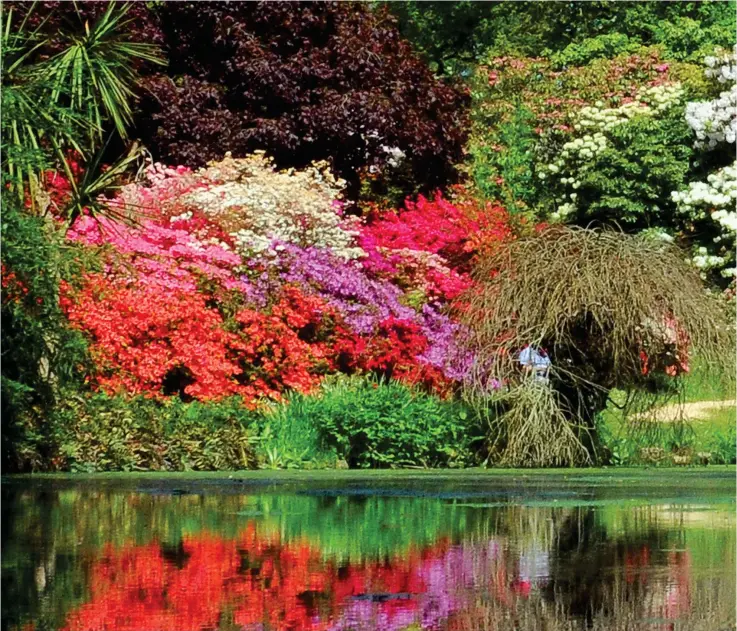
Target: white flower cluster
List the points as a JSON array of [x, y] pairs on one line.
[[661, 97], [715, 199], [723, 66], [585, 148], [649, 101], [717, 196], [657, 234], [576, 157], [715, 121], [259, 205], [395, 156], [604, 119], [186, 216], [704, 261]]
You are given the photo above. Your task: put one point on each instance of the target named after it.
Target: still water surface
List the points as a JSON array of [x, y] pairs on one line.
[[462, 552]]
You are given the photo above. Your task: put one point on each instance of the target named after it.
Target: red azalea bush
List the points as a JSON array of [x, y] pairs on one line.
[[147, 341], [454, 229], [140, 336], [393, 351], [299, 341]]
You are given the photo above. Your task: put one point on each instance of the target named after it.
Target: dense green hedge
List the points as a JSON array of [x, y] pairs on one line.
[[348, 423]]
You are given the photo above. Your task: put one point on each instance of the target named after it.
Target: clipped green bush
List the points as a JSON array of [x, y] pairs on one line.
[[386, 424], [102, 433]]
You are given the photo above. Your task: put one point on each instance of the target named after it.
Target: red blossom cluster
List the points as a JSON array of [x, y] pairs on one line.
[[429, 244], [14, 290], [392, 352], [143, 338]]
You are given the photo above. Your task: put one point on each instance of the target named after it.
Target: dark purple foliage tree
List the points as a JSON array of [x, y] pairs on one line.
[[303, 81]]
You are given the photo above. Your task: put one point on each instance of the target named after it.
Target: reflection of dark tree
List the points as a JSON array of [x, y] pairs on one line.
[[31, 586], [589, 566]]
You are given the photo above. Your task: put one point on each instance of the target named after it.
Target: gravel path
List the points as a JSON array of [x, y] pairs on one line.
[[692, 411]]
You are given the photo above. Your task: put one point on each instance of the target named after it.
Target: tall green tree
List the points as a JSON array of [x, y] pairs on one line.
[[453, 36]]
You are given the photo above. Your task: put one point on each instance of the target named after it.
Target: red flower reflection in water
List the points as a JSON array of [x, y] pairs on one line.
[[256, 580], [260, 582]]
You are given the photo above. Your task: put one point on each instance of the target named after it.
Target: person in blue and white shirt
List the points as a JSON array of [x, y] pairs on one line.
[[535, 361]]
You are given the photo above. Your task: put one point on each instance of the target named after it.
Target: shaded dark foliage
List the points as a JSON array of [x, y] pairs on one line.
[[303, 81]]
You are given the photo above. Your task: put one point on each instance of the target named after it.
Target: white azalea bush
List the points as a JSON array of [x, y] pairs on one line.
[[261, 205], [256, 204], [715, 121], [713, 202], [708, 207]]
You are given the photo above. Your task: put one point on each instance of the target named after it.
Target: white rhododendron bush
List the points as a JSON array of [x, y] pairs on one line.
[[714, 200]]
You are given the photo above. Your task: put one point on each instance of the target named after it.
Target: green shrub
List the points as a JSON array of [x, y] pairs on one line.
[[507, 175], [386, 424], [630, 182], [600, 47], [452, 36], [102, 433], [40, 353], [723, 446]]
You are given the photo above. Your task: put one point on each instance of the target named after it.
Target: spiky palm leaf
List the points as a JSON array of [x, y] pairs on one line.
[[95, 74], [96, 182], [28, 118]]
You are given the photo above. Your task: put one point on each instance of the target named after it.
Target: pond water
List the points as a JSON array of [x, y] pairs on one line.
[[336, 552]]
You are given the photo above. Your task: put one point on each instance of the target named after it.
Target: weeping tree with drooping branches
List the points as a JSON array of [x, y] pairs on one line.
[[612, 311]]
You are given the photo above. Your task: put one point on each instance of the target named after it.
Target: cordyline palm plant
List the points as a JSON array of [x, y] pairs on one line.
[[54, 105], [611, 310]]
